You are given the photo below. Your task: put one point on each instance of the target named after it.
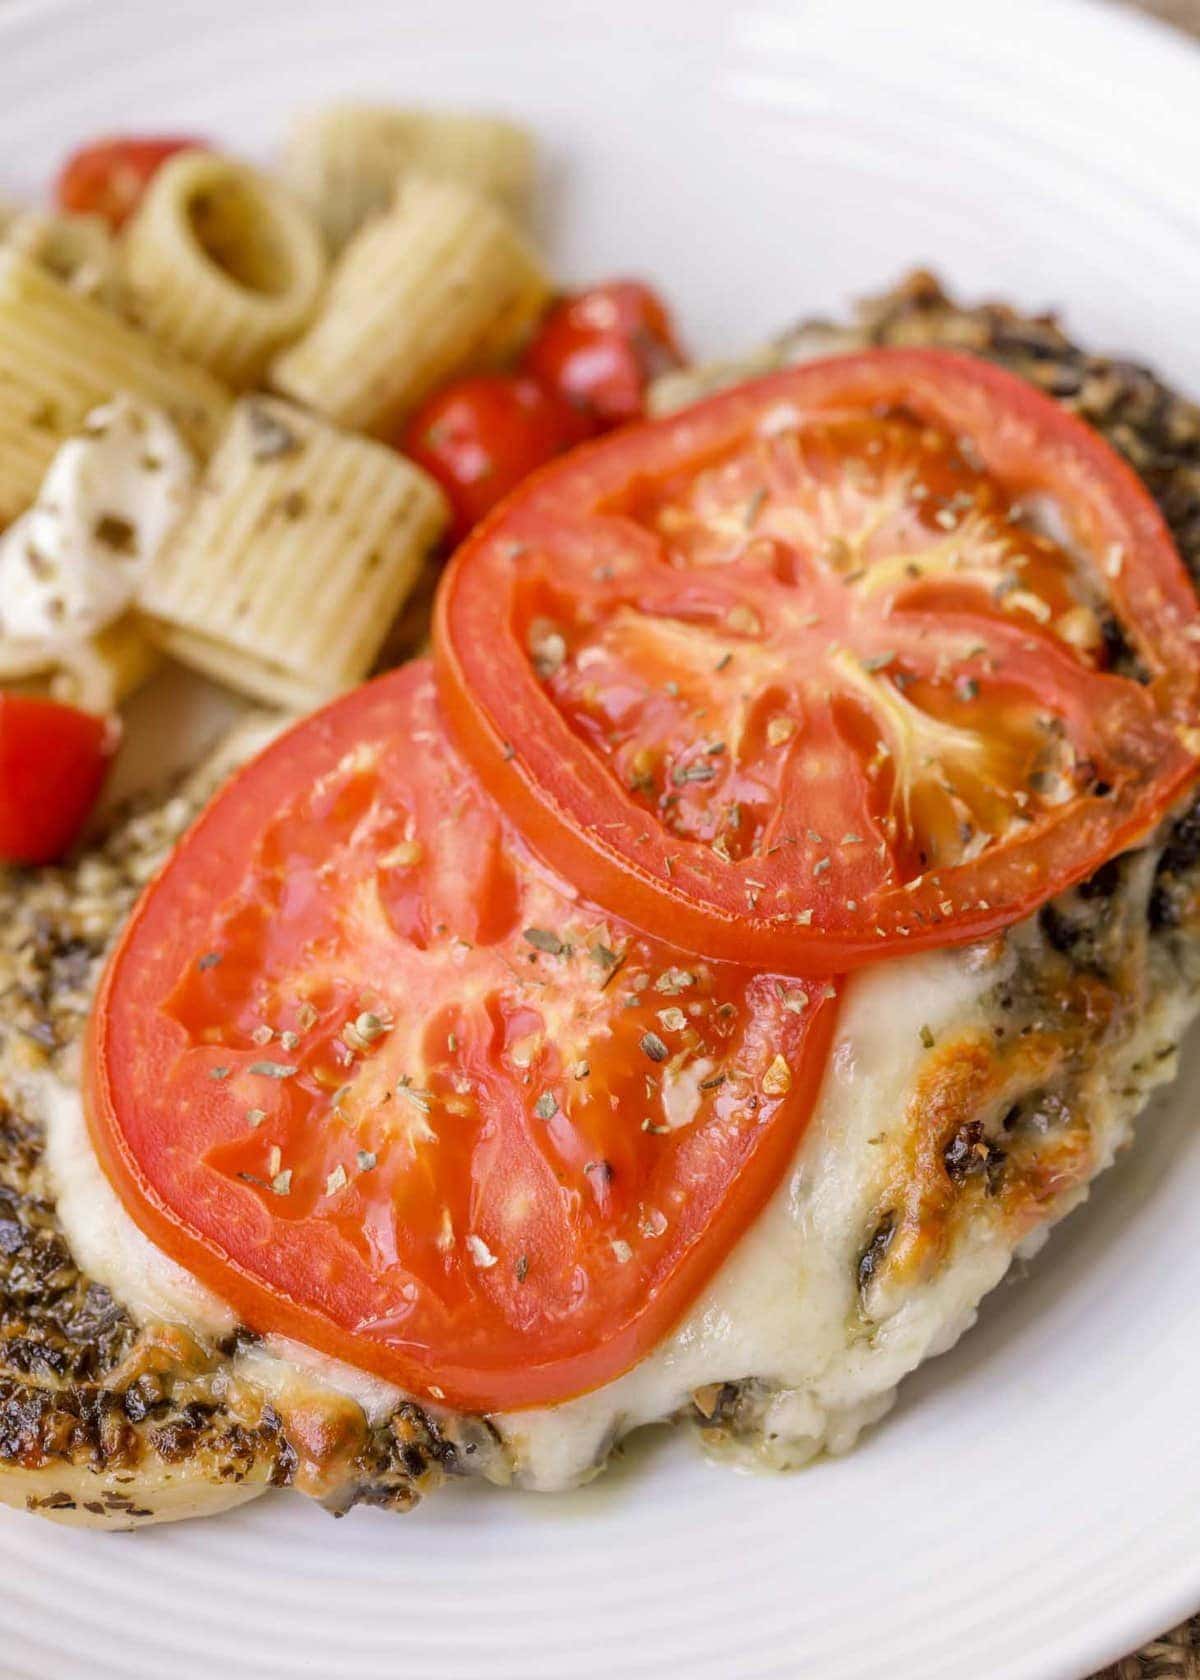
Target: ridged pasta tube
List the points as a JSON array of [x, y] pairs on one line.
[[222, 264], [78, 250], [60, 356], [301, 547], [346, 160], [96, 673], [443, 282]]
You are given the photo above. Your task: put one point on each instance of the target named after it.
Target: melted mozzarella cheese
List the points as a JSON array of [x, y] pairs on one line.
[[783, 1307], [72, 564]]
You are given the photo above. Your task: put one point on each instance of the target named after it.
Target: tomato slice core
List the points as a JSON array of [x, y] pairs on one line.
[[873, 654], [392, 1088]]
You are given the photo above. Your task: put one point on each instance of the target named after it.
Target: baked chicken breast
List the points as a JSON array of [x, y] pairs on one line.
[[971, 1097]]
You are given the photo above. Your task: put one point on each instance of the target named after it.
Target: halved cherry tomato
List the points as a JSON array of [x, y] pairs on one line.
[[389, 1086], [818, 671], [600, 349], [108, 177], [53, 760], [480, 436]]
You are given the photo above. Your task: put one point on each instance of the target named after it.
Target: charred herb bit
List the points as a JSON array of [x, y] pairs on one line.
[[755, 506], [546, 1107], [521, 1269], [875, 1252], [269, 437], [651, 1045], [927, 1038], [543, 939], [714, 1080], [274, 1070], [210, 959], [612, 973], [414, 1094], [970, 1152], [116, 533], [684, 773]]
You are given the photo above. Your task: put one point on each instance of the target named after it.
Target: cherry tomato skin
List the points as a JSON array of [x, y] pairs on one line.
[[109, 177], [480, 436], [601, 348], [53, 760]]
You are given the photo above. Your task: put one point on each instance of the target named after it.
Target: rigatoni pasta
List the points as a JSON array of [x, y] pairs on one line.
[[61, 355], [222, 264], [96, 673], [346, 161], [302, 547], [443, 282], [78, 250]]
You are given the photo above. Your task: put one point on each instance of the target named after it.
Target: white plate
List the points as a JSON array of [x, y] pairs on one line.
[[1032, 1509]]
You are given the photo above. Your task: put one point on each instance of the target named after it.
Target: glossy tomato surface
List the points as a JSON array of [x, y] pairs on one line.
[[479, 437], [53, 761], [108, 177], [390, 1087], [599, 350], [873, 654]]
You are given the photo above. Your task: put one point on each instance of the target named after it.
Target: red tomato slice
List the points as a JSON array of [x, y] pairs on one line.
[[877, 653], [390, 1087], [108, 177], [53, 761]]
